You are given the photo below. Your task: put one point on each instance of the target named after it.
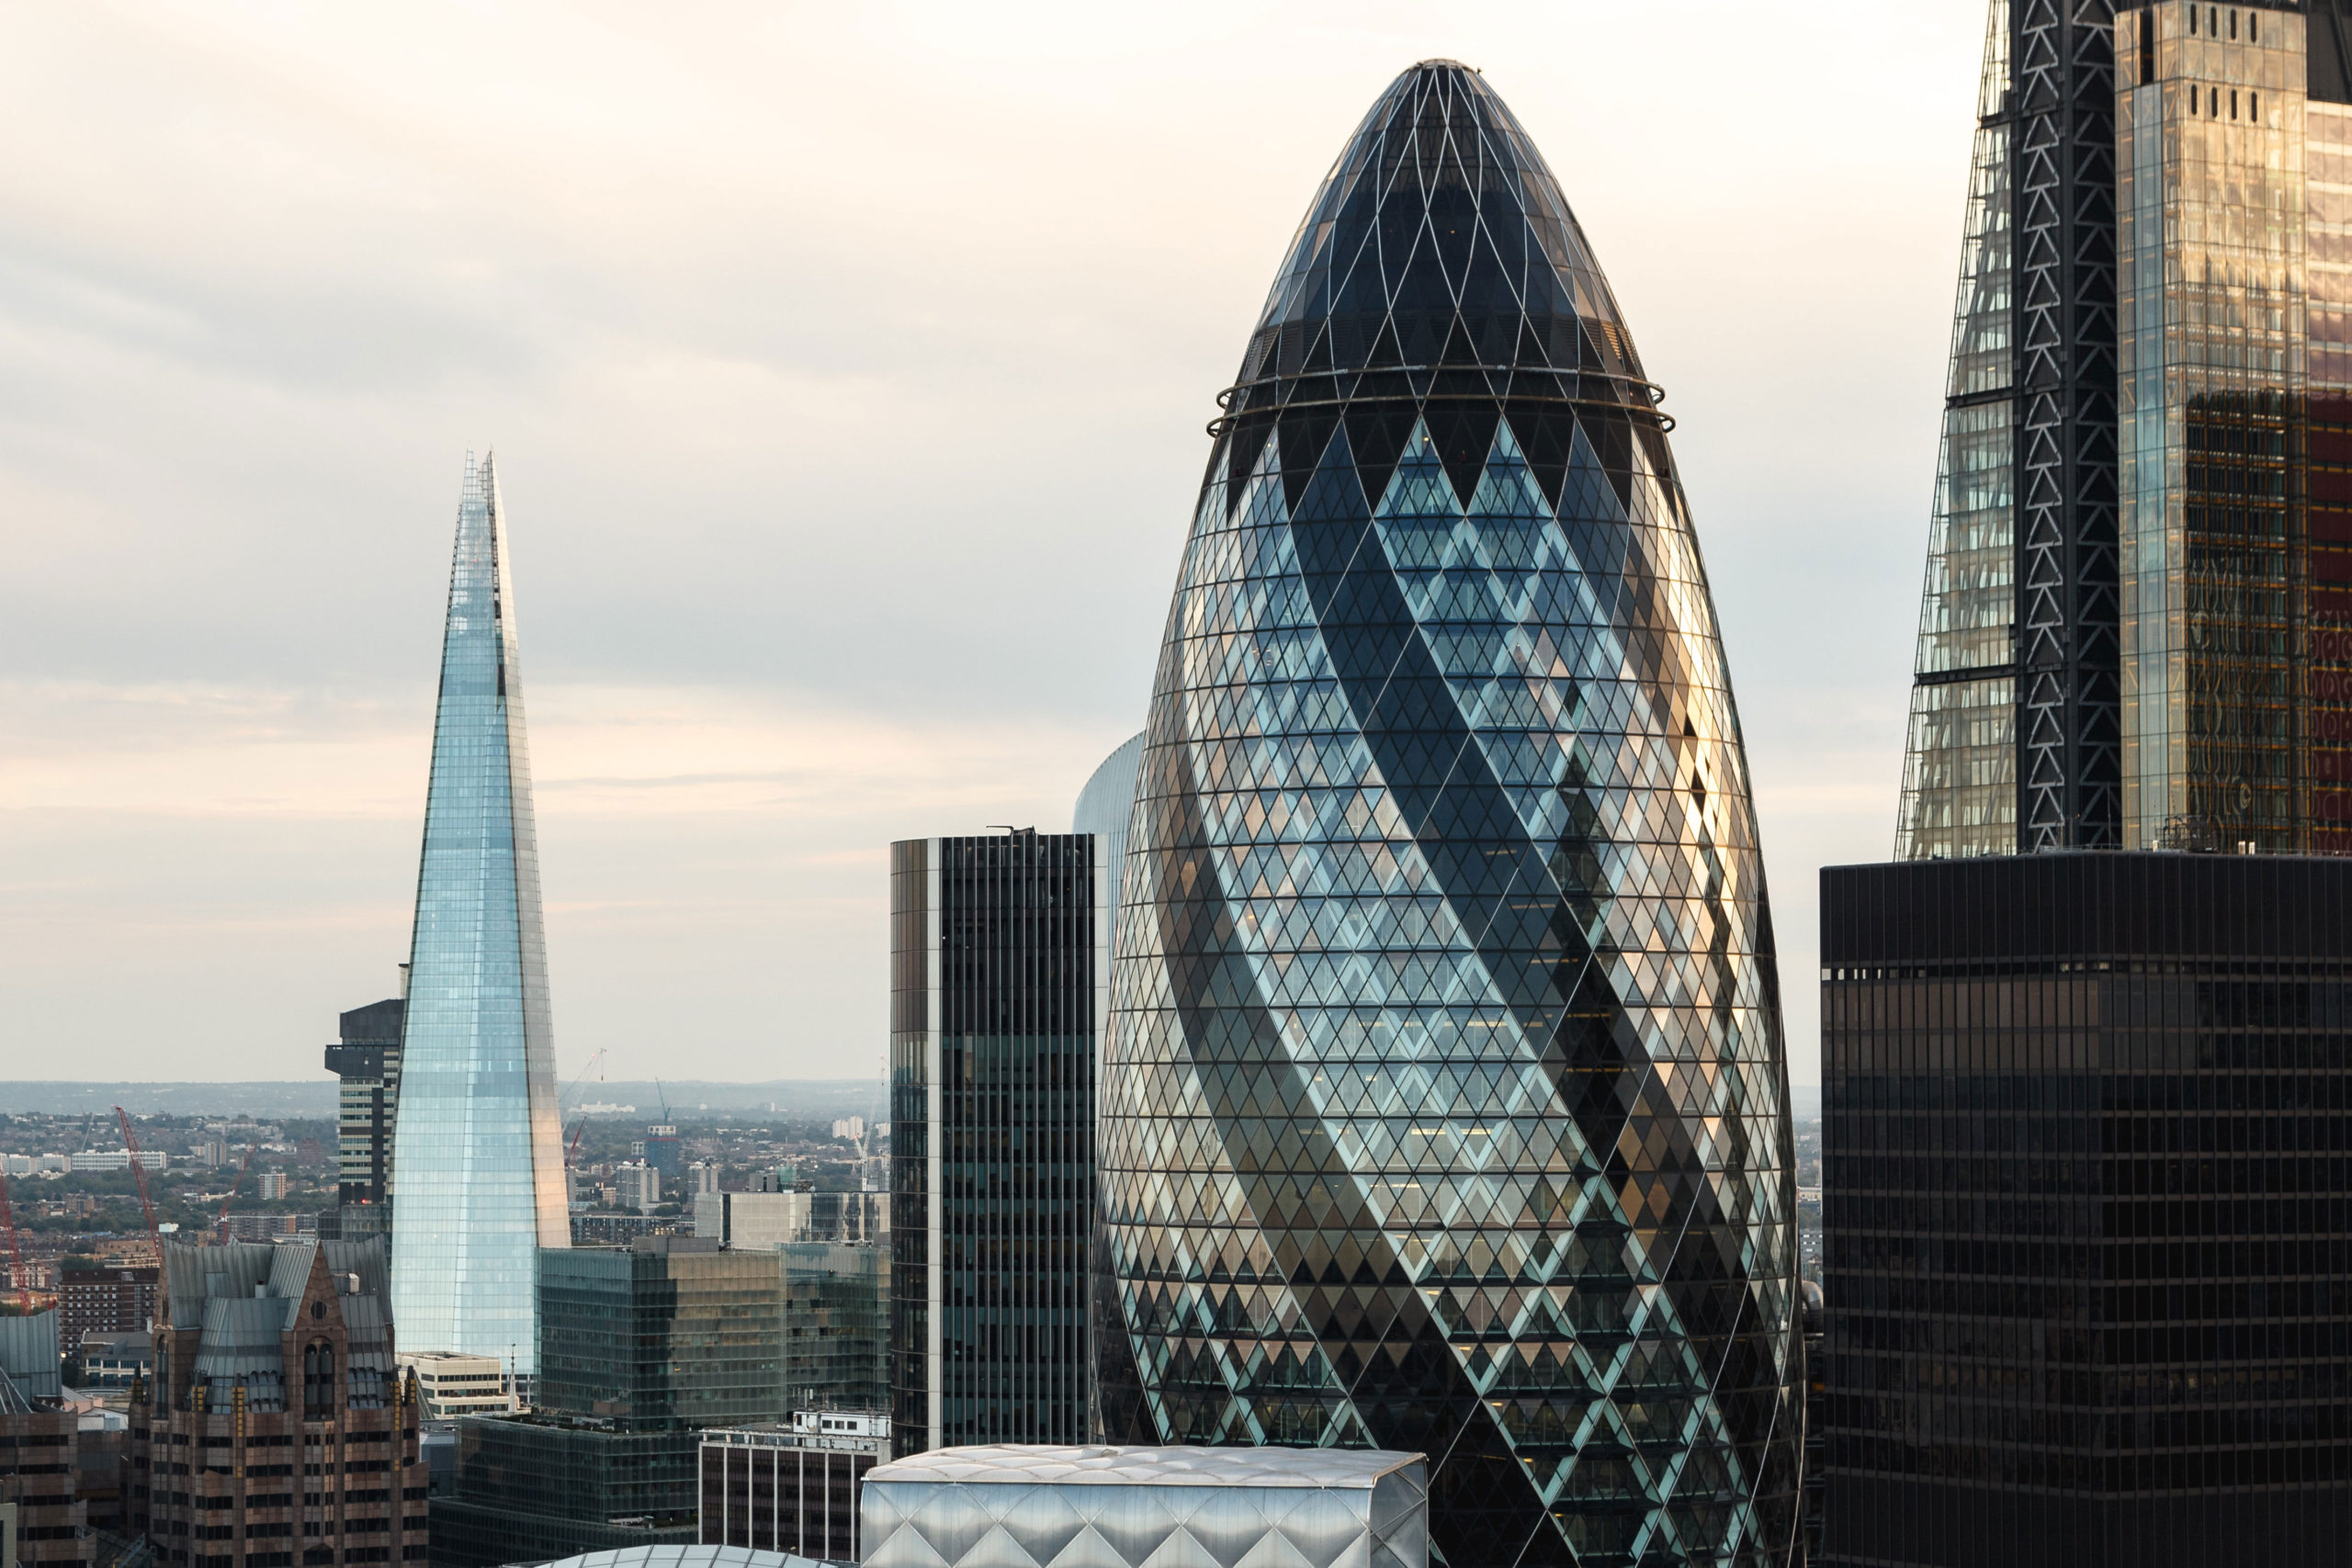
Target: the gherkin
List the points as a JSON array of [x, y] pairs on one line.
[[1444, 1105]]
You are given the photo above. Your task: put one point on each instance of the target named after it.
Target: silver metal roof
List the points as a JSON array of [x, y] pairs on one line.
[[682, 1557], [1023, 1464]]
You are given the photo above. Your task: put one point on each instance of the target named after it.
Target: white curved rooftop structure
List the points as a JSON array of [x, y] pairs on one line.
[[1043, 1507], [683, 1557], [1029, 1464], [1050, 1465]]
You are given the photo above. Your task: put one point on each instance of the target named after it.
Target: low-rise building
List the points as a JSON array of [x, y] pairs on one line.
[[116, 1159], [793, 1486], [638, 1348], [38, 1446], [1121, 1508], [276, 1430], [116, 1360], [776, 1219], [451, 1385]]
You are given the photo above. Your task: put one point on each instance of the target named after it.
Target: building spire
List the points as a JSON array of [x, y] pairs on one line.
[[478, 1167]]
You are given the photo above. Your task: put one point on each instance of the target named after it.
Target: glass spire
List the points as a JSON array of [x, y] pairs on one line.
[[1444, 1107], [478, 1173]]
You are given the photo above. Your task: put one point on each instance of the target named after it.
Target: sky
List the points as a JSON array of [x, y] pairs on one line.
[[846, 367]]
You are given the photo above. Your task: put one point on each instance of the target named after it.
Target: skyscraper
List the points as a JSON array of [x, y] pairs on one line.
[[997, 989], [368, 1059], [2137, 624], [1443, 1108], [2086, 1295], [478, 1166]]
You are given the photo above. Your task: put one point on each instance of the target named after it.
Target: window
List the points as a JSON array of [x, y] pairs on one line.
[[2233, 103], [317, 1381]]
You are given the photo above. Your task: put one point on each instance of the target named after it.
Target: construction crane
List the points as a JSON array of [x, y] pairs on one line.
[[16, 1249], [580, 1126], [139, 1175], [230, 1197]]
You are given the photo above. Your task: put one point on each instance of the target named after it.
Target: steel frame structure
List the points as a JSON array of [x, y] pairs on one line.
[[2061, 101]]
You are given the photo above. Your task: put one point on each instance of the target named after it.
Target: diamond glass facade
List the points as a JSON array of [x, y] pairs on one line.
[[478, 1166], [1443, 1109]]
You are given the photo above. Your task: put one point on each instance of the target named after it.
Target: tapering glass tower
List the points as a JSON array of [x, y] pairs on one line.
[[478, 1165], [1960, 767], [1443, 1107]]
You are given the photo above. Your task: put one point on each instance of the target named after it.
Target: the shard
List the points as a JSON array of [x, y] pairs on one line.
[[1444, 1107], [478, 1166]]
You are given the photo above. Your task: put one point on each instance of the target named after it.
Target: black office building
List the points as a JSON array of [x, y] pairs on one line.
[[366, 1057], [998, 985], [2088, 1210]]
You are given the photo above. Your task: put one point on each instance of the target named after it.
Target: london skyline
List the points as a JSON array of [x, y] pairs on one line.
[[215, 791]]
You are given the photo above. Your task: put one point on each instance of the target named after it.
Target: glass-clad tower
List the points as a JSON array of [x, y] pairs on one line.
[[2136, 630], [996, 992], [1959, 785], [1443, 1107], [478, 1166]]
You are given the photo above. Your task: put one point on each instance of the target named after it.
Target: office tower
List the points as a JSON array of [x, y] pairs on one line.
[[639, 1349], [2137, 624], [1443, 1108], [2089, 1289], [1103, 807], [661, 1150], [836, 1325], [366, 1057], [478, 1178], [792, 1487], [997, 980], [638, 1187], [277, 1431]]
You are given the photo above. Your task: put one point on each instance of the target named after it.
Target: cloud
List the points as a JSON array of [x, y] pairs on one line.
[[847, 368]]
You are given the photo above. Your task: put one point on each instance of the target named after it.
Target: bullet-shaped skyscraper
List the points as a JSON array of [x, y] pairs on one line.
[[1443, 1107], [477, 1179]]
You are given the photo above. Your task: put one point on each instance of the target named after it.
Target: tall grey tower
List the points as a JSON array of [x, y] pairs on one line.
[[478, 1166], [1443, 1106]]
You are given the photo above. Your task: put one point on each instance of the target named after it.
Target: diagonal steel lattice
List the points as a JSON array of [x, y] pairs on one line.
[[2069, 654], [1444, 1107]]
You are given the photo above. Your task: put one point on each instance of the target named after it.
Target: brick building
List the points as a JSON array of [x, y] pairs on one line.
[[109, 1301], [276, 1430], [37, 1445]]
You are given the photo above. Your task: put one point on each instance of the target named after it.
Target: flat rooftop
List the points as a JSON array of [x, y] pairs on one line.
[[1023, 1464]]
